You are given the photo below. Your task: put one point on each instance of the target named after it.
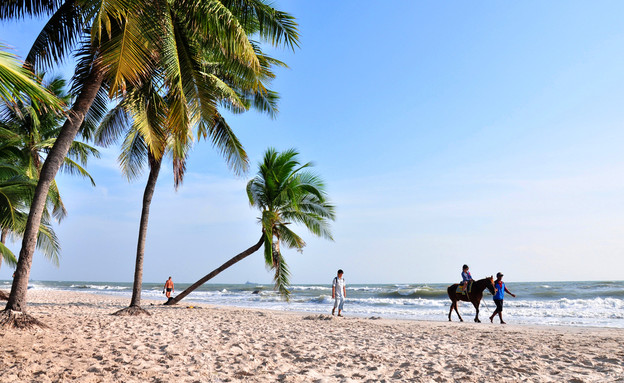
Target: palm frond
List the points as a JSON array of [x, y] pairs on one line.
[[133, 154], [281, 276], [277, 27], [71, 167], [17, 84], [97, 111], [54, 199], [221, 29], [81, 152], [19, 9], [57, 37], [48, 243], [126, 56], [7, 255], [226, 142], [112, 125], [289, 237]]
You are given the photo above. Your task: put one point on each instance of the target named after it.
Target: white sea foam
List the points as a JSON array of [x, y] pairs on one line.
[[310, 288]]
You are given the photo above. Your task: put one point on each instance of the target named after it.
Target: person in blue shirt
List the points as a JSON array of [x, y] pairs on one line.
[[500, 290], [466, 277]]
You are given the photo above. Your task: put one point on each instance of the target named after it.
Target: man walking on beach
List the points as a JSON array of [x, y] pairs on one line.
[[499, 287], [168, 287], [339, 293]]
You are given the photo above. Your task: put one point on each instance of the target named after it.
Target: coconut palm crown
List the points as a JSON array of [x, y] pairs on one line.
[[286, 194]]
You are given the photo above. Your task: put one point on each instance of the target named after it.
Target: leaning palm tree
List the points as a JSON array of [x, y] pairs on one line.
[[117, 50], [285, 194]]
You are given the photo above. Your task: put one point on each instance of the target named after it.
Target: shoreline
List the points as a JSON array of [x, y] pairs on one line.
[[210, 343], [468, 315]]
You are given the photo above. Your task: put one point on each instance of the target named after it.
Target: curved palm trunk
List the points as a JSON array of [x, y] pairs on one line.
[[52, 164], [216, 272], [135, 302]]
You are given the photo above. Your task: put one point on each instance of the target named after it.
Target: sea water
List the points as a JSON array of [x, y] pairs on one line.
[[598, 304]]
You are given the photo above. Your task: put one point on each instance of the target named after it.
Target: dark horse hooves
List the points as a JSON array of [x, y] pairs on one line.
[[478, 321]]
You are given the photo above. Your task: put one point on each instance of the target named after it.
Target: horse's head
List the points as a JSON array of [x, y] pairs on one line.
[[490, 284]]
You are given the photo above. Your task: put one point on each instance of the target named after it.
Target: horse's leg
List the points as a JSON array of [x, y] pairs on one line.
[[476, 306], [457, 311], [451, 310]]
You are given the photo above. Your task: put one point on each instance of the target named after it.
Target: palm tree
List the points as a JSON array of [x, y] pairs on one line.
[[150, 116], [145, 115], [285, 194], [119, 51]]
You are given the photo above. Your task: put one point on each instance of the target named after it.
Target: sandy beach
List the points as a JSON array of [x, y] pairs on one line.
[[204, 343]]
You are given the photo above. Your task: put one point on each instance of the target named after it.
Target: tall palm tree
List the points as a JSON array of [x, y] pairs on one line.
[[119, 51], [150, 114], [285, 194], [145, 114]]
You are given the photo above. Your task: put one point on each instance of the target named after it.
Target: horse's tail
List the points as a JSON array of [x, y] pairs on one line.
[[451, 290]]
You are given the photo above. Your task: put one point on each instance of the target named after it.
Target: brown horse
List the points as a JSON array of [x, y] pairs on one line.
[[474, 295]]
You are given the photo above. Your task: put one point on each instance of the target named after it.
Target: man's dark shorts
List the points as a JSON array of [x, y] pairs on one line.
[[168, 290], [499, 305]]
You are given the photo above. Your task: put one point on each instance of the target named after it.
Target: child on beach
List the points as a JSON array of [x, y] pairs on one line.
[[339, 292], [466, 277]]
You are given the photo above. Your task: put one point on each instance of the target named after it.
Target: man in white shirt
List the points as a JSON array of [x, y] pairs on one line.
[[339, 292]]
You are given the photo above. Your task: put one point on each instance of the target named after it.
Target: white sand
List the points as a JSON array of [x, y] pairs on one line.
[[219, 344]]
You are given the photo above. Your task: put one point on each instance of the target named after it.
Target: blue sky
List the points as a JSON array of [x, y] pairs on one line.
[[447, 132]]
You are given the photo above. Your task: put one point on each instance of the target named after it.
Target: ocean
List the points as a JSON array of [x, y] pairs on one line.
[[598, 304]]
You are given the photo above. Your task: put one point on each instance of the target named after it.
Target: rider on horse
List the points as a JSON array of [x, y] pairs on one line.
[[466, 277]]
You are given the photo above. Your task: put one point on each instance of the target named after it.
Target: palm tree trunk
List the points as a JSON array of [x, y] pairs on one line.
[[53, 162], [147, 201], [216, 272]]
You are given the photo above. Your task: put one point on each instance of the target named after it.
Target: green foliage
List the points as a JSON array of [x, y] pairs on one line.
[[16, 191], [286, 194], [201, 58], [26, 135], [17, 84]]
